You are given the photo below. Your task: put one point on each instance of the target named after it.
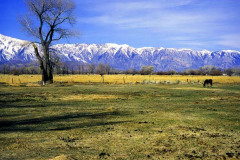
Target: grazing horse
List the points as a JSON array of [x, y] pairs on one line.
[[207, 81]]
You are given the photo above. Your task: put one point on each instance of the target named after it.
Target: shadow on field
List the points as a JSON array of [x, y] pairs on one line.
[[69, 122], [32, 105]]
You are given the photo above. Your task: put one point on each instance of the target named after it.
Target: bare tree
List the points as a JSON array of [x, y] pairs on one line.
[[79, 69], [45, 22], [82, 69], [101, 69], [147, 70], [91, 68], [4, 69], [108, 68]]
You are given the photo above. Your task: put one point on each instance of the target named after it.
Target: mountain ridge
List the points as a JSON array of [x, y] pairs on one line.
[[123, 56]]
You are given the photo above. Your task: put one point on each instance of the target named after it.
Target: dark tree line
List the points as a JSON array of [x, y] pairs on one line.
[[60, 68], [205, 70], [17, 70], [213, 71], [102, 69], [78, 68]]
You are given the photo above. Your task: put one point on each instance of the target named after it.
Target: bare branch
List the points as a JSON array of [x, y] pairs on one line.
[[28, 26], [64, 33]]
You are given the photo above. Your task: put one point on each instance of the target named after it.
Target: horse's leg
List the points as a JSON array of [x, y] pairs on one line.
[[204, 83]]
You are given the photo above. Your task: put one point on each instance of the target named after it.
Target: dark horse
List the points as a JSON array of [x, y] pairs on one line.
[[207, 81]]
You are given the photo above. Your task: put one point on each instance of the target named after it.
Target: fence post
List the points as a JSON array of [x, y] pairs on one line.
[[102, 78]]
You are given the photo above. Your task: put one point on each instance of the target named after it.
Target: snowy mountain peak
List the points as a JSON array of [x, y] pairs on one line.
[[205, 51], [231, 51], [111, 45], [122, 56], [8, 40]]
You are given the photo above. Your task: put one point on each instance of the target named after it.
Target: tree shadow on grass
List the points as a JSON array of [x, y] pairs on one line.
[[65, 121], [49, 123], [32, 105]]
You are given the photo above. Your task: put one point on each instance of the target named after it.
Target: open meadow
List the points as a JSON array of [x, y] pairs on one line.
[[127, 117], [30, 80]]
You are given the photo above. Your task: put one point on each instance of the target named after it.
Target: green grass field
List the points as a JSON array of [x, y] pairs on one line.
[[132, 121]]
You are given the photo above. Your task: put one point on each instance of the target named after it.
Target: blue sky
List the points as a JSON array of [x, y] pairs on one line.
[[196, 24]]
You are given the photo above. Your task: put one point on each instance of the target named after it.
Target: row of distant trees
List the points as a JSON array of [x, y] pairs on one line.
[[61, 68], [205, 70], [102, 69], [214, 71]]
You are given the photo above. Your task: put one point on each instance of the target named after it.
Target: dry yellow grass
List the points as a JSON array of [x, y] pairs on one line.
[[63, 157], [118, 79], [89, 97]]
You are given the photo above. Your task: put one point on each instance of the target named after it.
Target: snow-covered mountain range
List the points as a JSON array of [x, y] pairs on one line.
[[122, 57]]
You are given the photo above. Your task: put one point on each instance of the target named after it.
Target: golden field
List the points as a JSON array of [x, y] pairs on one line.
[[118, 79], [86, 119], [118, 122]]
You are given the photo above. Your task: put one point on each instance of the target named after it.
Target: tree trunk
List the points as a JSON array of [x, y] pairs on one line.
[[49, 75], [48, 67], [46, 71]]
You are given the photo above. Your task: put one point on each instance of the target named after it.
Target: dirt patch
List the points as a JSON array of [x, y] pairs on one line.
[[63, 157], [225, 98], [33, 85]]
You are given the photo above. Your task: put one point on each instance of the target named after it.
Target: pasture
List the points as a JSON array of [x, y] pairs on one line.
[[31, 80], [158, 120]]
